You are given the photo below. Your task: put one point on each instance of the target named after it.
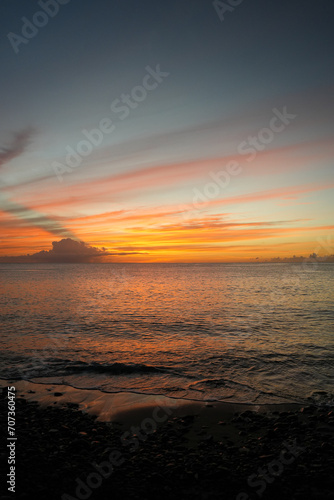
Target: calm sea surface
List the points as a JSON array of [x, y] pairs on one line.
[[230, 332]]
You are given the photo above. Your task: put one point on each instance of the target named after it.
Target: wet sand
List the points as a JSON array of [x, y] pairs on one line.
[[88, 444]]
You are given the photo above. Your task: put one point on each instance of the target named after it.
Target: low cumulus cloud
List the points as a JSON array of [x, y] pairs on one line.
[[65, 251]]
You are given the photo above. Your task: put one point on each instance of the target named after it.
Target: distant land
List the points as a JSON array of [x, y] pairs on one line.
[[311, 258]]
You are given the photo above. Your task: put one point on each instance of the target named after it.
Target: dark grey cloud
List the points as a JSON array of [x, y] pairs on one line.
[[17, 147], [26, 215], [29, 217]]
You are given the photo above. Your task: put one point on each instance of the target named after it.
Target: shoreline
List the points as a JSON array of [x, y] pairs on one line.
[[168, 448], [120, 406]]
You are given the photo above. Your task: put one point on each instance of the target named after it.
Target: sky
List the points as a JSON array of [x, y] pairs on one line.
[[192, 131]]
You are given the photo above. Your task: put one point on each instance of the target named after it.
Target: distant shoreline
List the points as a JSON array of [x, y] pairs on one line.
[[122, 405]]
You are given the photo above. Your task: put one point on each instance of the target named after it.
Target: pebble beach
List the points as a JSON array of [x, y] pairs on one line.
[[201, 451]]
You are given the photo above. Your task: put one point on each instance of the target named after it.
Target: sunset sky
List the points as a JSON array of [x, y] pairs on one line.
[[166, 131]]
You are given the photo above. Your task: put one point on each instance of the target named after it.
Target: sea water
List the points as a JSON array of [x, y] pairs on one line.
[[251, 333]]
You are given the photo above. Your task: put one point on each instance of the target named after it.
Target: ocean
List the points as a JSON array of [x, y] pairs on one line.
[[245, 333]]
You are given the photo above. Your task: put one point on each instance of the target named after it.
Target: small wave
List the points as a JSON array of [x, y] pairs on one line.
[[116, 368], [61, 367], [214, 383]]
